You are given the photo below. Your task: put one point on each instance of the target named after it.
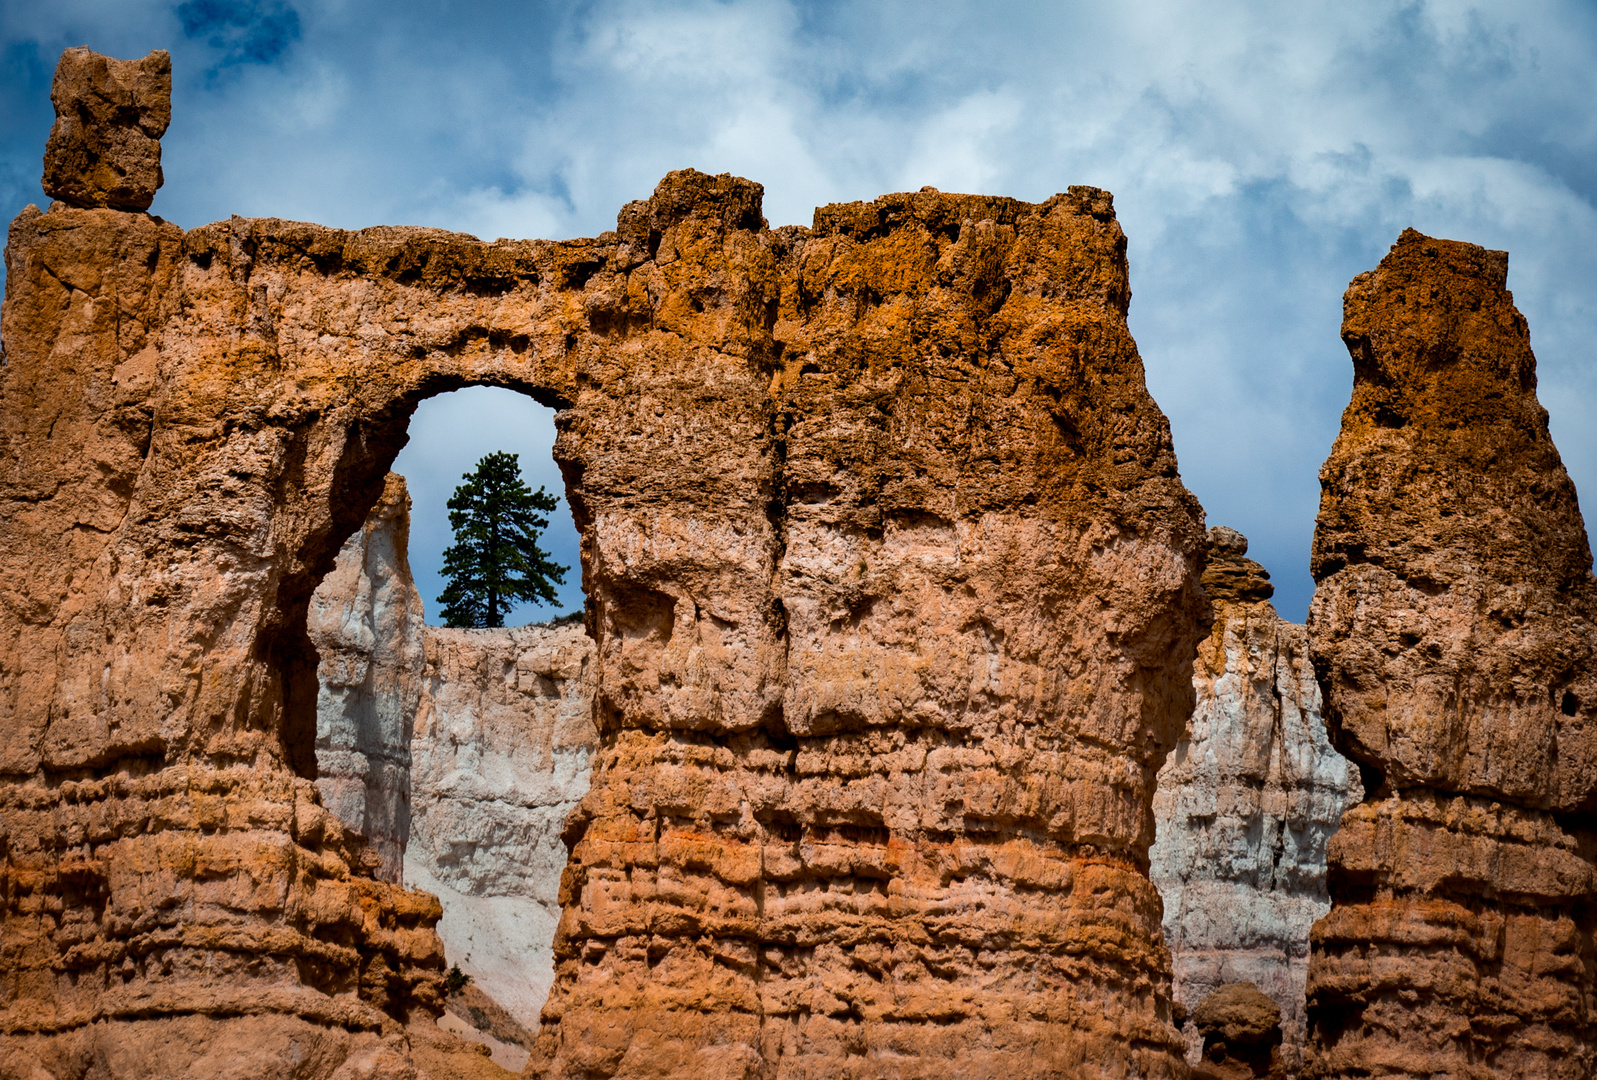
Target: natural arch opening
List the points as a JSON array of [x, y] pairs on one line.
[[449, 434], [457, 753]]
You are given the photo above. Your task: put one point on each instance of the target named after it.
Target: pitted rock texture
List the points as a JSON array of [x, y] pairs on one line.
[[1453, 632], [500, 758], [367, 625], [1246, 803], [105, 147], [891, 576]]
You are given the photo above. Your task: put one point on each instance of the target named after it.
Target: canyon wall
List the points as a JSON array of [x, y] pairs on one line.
[[893, 587], [1247, 801], [1453, 632]]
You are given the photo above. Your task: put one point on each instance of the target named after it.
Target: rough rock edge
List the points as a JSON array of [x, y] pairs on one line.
[[1452, 631]]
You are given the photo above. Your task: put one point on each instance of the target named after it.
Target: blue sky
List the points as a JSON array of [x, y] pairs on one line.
[[1261, 154]]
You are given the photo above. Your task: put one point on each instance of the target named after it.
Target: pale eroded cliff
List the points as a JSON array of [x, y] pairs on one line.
[[456, 753], [1247, 801], [500, 759], [366, 622]]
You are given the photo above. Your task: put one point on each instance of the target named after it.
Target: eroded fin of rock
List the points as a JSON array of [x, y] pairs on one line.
[[1247, 802], [1452, 629], [367, 625]]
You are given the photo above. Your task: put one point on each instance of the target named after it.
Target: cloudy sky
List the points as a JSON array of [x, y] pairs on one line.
[[1260, 154]]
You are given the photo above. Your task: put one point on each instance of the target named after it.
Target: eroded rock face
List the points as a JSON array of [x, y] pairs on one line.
[[890, 572], [1452, 629], [501, 758], [105, 147], [173, 894], [1247, 801], [366, 622]]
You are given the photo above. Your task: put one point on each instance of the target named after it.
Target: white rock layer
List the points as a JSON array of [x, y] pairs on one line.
[[500, 758], [1245, 805]]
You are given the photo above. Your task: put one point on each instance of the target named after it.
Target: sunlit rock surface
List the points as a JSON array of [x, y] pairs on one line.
[[891, 577], [1454, 628]]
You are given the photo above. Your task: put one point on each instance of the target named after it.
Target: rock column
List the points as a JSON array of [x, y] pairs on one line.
[[1453, 631], [174, 900], [890, 647]]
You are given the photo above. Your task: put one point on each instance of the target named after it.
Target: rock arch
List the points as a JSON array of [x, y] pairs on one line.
[[889, 568]]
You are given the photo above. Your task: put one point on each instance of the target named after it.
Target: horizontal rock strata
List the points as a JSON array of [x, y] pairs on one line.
[[891, 577], [889, 654], [172, 896], [1453, 631], [1247, 801]]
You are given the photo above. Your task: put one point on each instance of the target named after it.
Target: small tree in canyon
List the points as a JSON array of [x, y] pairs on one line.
[[495, 559]]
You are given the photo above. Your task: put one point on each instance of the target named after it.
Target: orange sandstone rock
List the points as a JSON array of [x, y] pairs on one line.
[[105, 147], [1453, 633], [881, 697], [891, 577]]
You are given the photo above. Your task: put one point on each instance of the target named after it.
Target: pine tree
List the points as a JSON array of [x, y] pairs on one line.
[[495, 559]]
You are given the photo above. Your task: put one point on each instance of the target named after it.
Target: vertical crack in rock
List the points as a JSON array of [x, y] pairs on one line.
[[891, 580], [1246, 803], [1452, 632]]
